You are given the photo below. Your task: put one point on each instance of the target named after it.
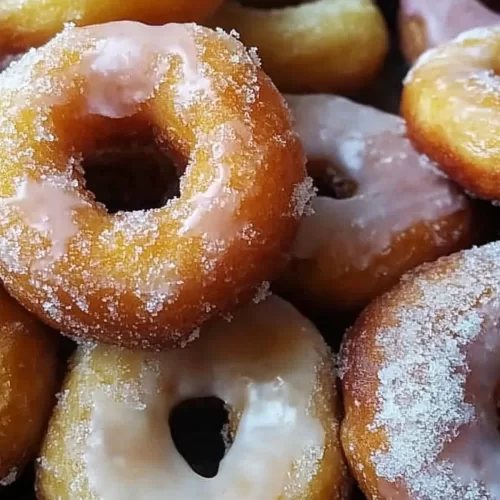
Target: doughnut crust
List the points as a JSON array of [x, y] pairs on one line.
[[382, 208], [451, 106], [419, 376], [28, 384], [30, 23], [320, 46], [424, 24], [148, 277], [271, 368]]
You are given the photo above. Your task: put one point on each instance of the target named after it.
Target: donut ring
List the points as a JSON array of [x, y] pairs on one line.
[[144, 278], [424, 24], [450, 101], [382, 208], [31, 23], [269, 364], [319, 46], [28, 381], [419, 374]]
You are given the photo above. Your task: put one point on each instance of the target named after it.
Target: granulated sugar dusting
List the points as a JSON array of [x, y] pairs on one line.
[[91, 273], [439, 345]]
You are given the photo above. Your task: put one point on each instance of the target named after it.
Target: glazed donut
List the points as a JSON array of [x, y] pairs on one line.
[[319, 46], [144, 278], [450, 102], [269, 365], [382, 208], [31, 23], [419, 374], [28, 381], [424, 24]]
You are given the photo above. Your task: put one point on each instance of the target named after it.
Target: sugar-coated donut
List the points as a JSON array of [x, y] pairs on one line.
[[110, 438], [319, 46], [451, 105], [382, 207], [28, 384], [424, 24], [419, 374], [30, 23], [144, 278]]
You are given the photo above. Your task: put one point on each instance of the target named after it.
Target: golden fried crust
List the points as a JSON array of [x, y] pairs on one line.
[[28, 383], [436, 305], [30, 23], [333, 46], [449, 101], [241, 198], [412, 35]]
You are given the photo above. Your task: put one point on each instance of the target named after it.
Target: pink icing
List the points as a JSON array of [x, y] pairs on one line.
[[397, 187], [48, 209], [129, 62], [445, 19]]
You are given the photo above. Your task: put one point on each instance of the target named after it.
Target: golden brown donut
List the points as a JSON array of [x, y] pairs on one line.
[[144, 278], [30, 23], [110, 438], [317, 46], [419, 374], [28, 384], [451, 106], [424, 24], [382, 207]]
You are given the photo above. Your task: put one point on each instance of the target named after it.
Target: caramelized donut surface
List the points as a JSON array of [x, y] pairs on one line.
[[28, 384], [317, 46], [452, 107], [271, 368], [382, 208], [419, 374], [148, 277], [30, 23], [424, 24]]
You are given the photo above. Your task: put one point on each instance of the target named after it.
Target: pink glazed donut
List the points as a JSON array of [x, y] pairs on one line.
[[424, 24]]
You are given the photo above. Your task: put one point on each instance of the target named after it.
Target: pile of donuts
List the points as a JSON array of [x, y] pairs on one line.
[[204, 200]]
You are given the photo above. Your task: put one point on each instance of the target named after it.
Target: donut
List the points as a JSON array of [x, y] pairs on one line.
[[28, 384], [144, 278], [450, 102], [271, 368], [382, 208], [419, 374], [319, 46], [424, 24], [30, 23]]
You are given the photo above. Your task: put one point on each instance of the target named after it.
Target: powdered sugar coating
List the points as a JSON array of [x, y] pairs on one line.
[[396, 186], [446, 19], [267, 365], [435, 339], [116, 276]]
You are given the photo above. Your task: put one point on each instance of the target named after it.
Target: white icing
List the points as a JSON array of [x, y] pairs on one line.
[[397, 187], [268, 378], [445, 19]]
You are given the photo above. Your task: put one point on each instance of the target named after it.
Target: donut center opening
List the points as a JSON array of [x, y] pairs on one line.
[[330, 181], [131, 177], [494, 5], [200, 432], [273, 4]]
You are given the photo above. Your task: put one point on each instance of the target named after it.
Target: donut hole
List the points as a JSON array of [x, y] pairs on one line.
[[494, 5], [330, 181], [131, 177], [199, 429]]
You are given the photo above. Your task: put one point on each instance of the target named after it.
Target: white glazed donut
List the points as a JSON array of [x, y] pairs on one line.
[[110, 437]]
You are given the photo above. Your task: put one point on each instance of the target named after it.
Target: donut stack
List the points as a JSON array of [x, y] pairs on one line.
[[191, 216]]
